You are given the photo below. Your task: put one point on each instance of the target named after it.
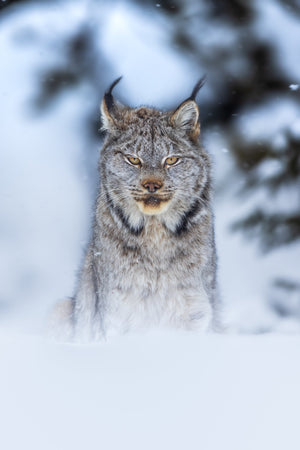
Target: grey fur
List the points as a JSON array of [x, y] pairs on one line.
[[152, 259]]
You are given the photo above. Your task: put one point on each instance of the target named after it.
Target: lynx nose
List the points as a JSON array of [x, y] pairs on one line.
[[152, 186]]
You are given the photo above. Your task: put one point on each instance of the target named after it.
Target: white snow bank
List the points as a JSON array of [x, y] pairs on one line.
[[155, 391]]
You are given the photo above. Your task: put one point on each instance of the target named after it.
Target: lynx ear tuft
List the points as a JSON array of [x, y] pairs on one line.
[[109, 108], [186, 118], [197, 88]]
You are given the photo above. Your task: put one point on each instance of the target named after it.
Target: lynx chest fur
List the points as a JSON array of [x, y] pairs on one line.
[[151, 260]]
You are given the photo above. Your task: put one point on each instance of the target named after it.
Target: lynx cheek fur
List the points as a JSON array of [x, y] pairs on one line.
[[151, 260]]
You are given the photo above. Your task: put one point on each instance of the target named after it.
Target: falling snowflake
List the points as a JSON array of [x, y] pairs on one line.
[[294, 87]]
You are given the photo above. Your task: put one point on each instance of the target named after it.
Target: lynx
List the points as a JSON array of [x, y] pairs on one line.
[[151, 260]]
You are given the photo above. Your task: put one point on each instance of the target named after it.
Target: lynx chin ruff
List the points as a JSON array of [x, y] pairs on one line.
[[152, 259]]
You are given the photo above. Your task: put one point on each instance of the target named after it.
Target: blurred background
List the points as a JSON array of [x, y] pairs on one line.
[[56, 60]]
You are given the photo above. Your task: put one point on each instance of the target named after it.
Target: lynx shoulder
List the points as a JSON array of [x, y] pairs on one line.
[[151, 260]]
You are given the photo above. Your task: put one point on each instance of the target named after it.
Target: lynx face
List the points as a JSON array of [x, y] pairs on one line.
[[152, 163]]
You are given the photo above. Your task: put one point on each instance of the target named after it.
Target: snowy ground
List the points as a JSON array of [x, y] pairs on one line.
[[156, 391]]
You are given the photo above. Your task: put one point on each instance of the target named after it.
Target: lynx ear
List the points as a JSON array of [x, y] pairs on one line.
[[186, 116], [109, 108]]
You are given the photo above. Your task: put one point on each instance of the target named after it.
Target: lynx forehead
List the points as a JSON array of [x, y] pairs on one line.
[[151, 259]]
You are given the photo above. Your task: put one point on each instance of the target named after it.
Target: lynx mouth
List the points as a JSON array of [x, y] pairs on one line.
[[152, 205]]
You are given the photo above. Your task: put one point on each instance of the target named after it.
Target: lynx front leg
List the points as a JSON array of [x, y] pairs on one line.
[[197, 311]]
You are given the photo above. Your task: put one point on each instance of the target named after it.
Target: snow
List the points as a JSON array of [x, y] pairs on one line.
[[276, 24], [163, 391], [268, 121], [295, 128]]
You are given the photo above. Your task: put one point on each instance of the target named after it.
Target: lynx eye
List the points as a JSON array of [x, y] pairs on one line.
[[171, 161], [134, 161]]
